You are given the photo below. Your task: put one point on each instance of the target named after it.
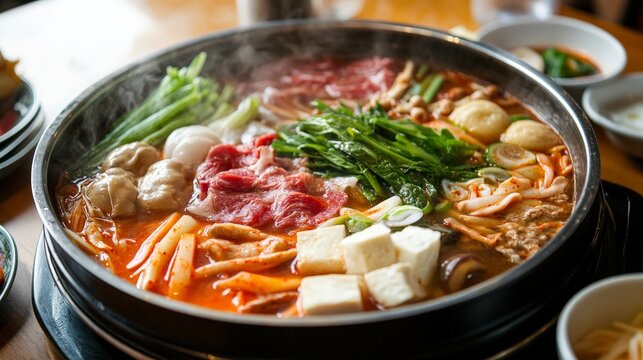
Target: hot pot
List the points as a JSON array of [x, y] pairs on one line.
[[484, 320]]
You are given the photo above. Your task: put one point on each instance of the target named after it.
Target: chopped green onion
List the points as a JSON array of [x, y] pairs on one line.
[[357, 223], [403, 215]]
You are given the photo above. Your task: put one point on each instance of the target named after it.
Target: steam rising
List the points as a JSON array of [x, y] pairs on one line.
[[234, 57]]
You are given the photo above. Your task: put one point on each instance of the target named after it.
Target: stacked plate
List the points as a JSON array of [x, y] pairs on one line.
[[21, 125]]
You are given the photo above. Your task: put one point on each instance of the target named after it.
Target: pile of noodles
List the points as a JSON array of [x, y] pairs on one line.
[[621, 341]]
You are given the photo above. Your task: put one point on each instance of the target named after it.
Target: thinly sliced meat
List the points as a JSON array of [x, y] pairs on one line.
[[234, 180], [295, 208], [247, 184], [322, 78]]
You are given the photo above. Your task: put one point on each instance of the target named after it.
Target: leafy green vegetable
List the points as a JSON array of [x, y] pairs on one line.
[[182, 98], [387, 156], [560, 64]]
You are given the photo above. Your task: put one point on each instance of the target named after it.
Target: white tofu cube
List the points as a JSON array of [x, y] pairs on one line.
[[318, 250], [418, 247], [368, 250], [330, 294], [394, 285]]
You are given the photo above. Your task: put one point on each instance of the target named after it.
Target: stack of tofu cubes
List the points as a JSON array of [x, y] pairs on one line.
[[340, 272]]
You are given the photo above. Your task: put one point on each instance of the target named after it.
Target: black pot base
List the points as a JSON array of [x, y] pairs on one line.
[[75, 334]]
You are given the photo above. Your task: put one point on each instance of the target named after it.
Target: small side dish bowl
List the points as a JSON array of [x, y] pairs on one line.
[[602, 103], [27, 106], [579, 37], [599, 305], [20, 139], [8, 262]]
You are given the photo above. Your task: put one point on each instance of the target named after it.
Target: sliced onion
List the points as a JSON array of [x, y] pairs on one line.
[[402, 216], [453, 191], [509, 156], [494, 174]]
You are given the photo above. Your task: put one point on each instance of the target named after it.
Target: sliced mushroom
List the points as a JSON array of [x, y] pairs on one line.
[[460, 269]]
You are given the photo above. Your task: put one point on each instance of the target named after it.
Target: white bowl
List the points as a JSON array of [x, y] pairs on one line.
[[581, 37], [617, 298], [597, 98]]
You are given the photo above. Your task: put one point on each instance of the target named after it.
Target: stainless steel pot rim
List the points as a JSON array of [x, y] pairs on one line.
[[46, 208]]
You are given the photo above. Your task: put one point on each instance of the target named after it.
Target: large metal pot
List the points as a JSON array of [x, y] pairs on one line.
[[485, 318]]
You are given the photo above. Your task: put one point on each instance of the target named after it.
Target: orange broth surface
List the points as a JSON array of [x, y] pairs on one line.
[[133, 232]]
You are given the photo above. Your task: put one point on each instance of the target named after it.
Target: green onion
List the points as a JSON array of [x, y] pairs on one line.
[[182, 98], [338, 220], [402, 216], [357, 223], [433, 88], [246, 111]]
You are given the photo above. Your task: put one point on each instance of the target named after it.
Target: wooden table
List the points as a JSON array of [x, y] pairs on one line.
[[65, 45]]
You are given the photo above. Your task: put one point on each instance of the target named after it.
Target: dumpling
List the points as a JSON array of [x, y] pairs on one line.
[[135, 157], [113, 192], [482, 119], [531, 135], [190, 145], [165, 187]]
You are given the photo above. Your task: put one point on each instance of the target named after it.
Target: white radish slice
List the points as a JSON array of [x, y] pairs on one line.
[[181, 272]]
